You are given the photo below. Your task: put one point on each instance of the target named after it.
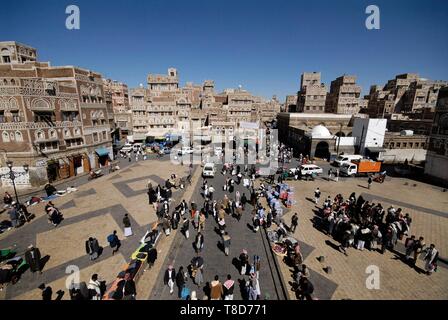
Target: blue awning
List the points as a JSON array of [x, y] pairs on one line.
[[102, 152]]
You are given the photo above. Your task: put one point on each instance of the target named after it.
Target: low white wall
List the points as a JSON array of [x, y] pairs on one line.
[[400, 155]]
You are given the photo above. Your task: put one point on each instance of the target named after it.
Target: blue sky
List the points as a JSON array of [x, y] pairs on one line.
[[262, 45]]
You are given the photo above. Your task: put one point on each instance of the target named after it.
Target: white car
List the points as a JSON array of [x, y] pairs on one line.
[[185, 150], [208, 170], [127, 148], [308, 169]]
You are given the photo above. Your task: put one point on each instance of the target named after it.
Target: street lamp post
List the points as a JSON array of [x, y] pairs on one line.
[[13, 175]]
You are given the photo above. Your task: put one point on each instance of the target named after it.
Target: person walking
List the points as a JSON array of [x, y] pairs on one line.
[[33, 259], [294, 222], [409, 245], [198, 277], [94, 288], [243, 201], [47, 292], [199, 242], [244, 258], [92, 248], [226, 243], [336, 175], [211, 190], [180, 280], [229, 286], [186, 228], [127, 287], [216, 289], [202, 219], [369, 182], [418, 248], [431, 257], [14, 216], [170, 278], [127, 226], [114, 242], [317, 195]]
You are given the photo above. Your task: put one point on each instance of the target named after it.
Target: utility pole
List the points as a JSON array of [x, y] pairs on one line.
[[339, 140], [360, 140]]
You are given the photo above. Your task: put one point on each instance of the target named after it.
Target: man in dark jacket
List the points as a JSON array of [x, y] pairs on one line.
[[152, 257], [180, 280], [92, 248], [126, 288], [114, 242], [243, 201], [32, 258], [47, 292], [294, 222], [305, 290], [170, 278]]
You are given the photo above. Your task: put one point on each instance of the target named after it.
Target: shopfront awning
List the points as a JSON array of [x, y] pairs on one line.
[[101, 152], [376, 149]]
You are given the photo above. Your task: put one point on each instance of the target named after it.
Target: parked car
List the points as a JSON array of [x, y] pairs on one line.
[[208, 170], [127, 148], [346, 158], [185, 150], [310, 169]]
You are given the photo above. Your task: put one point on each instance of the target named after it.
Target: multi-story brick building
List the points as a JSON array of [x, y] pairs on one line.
[[312, 95], [407, 93], [54, 119], [166, 108], [437, 157], [291, 103], [344, 96], [117, 94]]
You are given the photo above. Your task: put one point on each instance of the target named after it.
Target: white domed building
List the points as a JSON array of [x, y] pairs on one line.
[[320, 142], [321, 132]]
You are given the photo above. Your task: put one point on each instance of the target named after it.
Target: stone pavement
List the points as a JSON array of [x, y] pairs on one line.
[[215, 261], [427, 206], [96, 209]]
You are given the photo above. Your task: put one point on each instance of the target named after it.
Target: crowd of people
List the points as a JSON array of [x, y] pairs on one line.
[[233, 204], [361, 224]]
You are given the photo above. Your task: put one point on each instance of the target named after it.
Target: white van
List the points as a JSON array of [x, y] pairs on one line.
[[346, 158], [309, 169], [208, 170]]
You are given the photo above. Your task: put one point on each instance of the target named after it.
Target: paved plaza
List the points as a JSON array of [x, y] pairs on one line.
[[97, 208], [427, 206]]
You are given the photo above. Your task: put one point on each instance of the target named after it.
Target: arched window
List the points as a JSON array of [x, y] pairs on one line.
[[19, 136], [5, 82], [5, 136], [13, 82], [66, 133], [77, 132], [52, 133], [40, 135], [13, 104]]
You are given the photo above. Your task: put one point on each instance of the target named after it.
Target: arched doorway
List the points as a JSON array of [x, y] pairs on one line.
[[322, 150], [340, 134]]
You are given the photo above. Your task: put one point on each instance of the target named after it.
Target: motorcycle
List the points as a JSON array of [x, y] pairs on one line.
[[95, 174]]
